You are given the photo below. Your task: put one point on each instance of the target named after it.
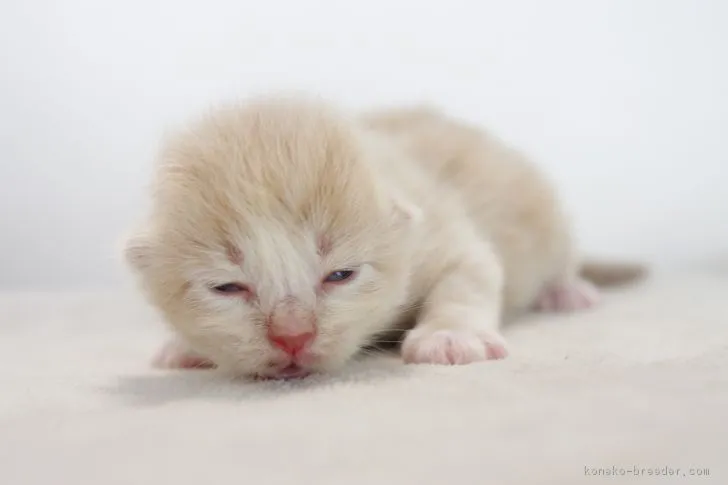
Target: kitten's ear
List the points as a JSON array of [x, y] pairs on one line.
[[139, 249], [405, 213]]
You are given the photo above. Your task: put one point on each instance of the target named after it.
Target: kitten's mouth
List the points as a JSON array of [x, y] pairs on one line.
[[291, 371]]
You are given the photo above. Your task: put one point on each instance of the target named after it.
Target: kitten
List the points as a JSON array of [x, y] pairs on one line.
[[284, 236]]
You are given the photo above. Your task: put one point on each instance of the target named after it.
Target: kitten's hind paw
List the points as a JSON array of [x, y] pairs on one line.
[[567, 296]]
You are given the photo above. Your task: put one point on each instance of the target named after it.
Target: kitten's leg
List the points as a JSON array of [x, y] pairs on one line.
[[461, 316], [175, 354]]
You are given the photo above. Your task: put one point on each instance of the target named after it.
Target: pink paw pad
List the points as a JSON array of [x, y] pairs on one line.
[[176, 356], [452, 347], [567, 297]]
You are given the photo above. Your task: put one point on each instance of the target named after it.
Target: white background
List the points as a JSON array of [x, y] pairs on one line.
[[623, 101]]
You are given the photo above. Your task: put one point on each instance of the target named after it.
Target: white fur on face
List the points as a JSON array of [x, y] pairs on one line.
[[280, 267]]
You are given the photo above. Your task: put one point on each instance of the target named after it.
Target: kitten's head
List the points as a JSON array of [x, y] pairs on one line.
[[269, 224]]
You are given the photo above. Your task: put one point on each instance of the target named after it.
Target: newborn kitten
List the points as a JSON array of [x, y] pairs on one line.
[[285, 236]]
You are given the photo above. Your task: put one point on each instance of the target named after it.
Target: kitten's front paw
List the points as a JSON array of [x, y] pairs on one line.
[[176, 355], [452, 347]]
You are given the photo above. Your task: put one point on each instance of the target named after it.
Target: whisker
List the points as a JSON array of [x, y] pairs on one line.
[[373, 353]]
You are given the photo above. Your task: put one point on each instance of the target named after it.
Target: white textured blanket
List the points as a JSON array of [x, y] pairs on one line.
[[638, 387]]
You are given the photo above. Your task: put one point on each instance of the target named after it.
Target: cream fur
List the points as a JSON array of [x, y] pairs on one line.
[[446, 226]]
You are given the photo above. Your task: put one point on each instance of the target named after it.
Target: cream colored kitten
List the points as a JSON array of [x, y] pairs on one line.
[[285, 236]]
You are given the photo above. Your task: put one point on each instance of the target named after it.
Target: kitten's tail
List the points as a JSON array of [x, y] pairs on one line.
[[610, 274]]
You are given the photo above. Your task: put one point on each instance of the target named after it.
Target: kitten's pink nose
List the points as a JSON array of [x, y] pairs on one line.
[[291, 328], [291, 343]]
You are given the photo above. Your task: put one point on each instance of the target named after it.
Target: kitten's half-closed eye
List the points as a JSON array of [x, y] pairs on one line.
[[232, 289], [340, 276]]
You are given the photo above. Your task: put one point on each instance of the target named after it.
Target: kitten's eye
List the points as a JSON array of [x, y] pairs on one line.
[[339, 276], [231, 289]]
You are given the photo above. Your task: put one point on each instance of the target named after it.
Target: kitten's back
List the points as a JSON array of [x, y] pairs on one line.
[[508, 199]]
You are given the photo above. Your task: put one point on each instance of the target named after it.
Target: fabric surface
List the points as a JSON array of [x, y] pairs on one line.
[[641, 384]]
